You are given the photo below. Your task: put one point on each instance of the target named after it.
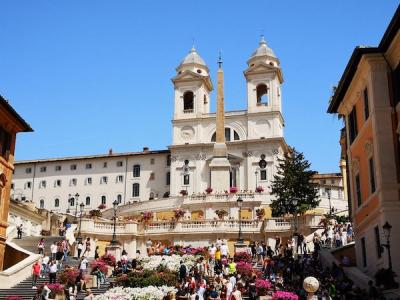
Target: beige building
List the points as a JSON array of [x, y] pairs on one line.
[[368, 98]]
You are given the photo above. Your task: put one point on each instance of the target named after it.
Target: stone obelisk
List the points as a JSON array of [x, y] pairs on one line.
[[219, 164]]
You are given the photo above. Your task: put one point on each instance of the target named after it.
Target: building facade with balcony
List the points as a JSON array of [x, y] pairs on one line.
[[368, 97], [185, 175]]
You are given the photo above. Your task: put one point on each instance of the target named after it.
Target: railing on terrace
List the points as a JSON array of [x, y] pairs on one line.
[[220, 197]]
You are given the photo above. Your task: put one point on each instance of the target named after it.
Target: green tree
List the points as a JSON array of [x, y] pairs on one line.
[[293, 183]]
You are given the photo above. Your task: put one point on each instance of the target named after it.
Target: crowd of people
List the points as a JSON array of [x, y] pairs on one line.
[[58, 257], [337, 235]]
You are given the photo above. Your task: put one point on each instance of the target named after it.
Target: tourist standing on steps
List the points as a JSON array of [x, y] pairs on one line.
[[19, 232], [87, 249], [80, 248], [96, 253], [35, 273], [41, 246], [83, 265], [45, 263], [53, 249], [65, 248], [53, 271]]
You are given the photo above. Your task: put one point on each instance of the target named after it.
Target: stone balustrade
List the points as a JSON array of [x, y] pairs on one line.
[[96, 227], [215, 198]]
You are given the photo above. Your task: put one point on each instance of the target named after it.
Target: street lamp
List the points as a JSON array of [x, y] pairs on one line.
[[295, 201], [240, 204], [256, 173], [76, 205], [386, 231], [328, 191], [81, 206], [114, 238]]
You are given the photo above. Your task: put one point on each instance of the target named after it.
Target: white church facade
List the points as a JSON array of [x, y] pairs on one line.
[[214, 158]]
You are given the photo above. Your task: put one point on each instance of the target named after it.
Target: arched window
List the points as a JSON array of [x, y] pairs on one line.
[[87, 201], [262, 94], [56, 202], [103, 200], [151, 197], [188, 101], [229, 132], [205, 99], [135, 190], [41, 203], [136, 171], [119, 198]]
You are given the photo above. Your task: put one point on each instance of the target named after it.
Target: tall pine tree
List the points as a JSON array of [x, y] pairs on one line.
[[293, 181]]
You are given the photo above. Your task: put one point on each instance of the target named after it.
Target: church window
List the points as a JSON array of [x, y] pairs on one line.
[[72, 201], [169, 160], [235, 136], [57, 183], [263, 174], [103, 200], [205, 99], [119, 198], [135, 190], [186, 179], [42, 184], [199, 71], [168, 181], [73, 182], [56, 202], [136, 171], [41, 203], [188, 102], [228, 135], [103, 180], [262, 94], [87, 201], [152, 176]]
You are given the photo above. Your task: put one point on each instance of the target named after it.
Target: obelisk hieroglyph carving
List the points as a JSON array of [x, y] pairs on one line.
[[220, 165]]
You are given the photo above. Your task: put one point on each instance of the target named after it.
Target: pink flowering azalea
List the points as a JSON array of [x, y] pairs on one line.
[[262, 286], [283, 295]]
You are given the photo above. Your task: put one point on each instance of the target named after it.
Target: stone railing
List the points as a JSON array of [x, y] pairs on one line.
[[228, 197], [96, 227]]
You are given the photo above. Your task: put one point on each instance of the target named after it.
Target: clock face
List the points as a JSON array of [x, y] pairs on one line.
[[187, 133]]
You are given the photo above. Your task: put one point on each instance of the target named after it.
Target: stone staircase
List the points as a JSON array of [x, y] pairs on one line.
[[24, 288]]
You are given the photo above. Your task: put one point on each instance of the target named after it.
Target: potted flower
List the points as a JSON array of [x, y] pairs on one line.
[[262, 286], [221, 213], [260, 213], [183, 192], [102, 206], [147, 216], [259, 189], [209, 190], [233, 190], [179, 213], [95, 213]]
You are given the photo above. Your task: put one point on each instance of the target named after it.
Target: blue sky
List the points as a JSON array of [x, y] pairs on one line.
[[94, 75]]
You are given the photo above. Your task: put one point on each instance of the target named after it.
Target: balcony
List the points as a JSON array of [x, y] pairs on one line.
[[255, 199]]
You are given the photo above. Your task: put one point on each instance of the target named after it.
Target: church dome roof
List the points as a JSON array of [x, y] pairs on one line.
[[193, 58], [263, 50]]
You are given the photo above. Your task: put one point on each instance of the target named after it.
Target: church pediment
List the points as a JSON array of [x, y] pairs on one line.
[[190, 76], [262, 68]]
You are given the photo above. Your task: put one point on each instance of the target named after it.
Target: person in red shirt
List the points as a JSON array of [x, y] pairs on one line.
[[36, 268]]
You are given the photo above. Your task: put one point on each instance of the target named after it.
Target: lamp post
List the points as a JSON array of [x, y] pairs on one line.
[[386, 230], [114, 238], [240, 204], [329, 199], [81, 206], [295, 201], [76, 205], [256, 173]]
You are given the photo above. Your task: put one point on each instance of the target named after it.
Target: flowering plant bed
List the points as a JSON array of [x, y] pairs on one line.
[[171, 263], [95, 213], [147, 216], [283, 295], [221, 213], [233, 190], [263, 286], [146, 278], [55, 288], [102, 206], [179, 213], [259, 189], [209, 190], [242, 257], [100, 264], [68, 276], [260, 213], [147, 293], [108, 259]]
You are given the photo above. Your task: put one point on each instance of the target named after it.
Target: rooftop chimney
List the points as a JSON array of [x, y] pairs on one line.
[[145, 149]]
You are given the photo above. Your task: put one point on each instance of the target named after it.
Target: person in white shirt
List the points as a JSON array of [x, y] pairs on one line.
[[212, 251], [53, 250], [45, 262], [224, 250], [218, 243], [232, 279], [53, 271], [229, 289], [83, 264]]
